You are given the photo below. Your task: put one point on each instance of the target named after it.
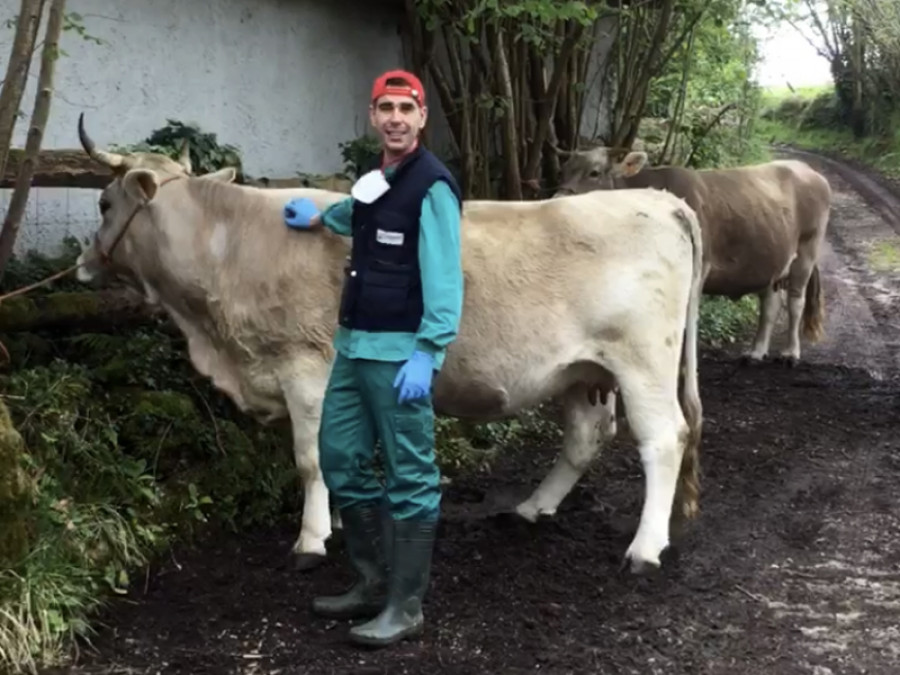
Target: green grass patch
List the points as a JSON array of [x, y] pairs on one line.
[[885, 256], [776, 94], [724, 322]]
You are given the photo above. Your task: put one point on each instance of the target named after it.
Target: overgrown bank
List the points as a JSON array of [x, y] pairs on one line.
[[810, 119]]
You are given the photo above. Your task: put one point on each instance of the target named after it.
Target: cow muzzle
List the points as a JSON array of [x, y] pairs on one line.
[[88, 265]]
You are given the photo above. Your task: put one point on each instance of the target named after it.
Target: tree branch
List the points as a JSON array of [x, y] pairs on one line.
[[548, 101]]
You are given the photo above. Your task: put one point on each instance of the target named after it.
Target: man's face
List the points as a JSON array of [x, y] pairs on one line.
[[398, 119]]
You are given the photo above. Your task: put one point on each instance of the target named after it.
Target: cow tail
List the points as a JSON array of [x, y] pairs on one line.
[[814, 308], [689, 476]]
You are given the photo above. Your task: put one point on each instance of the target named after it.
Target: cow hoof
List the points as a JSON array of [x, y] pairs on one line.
[[304, 562], [533, 514], [639, 567], [749, 359], [788, 360]]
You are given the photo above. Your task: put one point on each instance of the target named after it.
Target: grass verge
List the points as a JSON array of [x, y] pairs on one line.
[[807, 119]]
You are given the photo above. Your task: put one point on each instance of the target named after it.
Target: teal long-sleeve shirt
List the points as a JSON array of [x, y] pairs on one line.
[[442, 283]]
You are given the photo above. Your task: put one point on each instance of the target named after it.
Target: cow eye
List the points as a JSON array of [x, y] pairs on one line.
[[595, 174], [104, 206]]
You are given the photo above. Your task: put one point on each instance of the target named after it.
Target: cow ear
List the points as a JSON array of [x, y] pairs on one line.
[[140, 184], [226, 175], [633, 163]]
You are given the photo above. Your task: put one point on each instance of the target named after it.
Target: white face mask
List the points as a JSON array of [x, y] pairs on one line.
[[370, 187]]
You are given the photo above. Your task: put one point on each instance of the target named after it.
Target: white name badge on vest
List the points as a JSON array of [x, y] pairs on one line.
[[370, 187], [389, 238]]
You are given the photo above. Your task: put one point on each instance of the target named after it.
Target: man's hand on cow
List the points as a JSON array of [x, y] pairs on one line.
[[301, 213], [414, 377]]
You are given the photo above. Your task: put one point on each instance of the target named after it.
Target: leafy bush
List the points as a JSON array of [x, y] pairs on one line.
[[120, 466], [207, 154], [723, 321], [822, 112], [788, 109], [359, 154]]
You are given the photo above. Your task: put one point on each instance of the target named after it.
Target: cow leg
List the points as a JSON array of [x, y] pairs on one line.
[[586, 427], [769, 304], [658, 425], [305, 407], [801, 271]]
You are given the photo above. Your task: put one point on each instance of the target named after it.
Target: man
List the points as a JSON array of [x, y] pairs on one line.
[[400, 309]]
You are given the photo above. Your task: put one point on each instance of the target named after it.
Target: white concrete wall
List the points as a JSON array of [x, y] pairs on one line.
[[283, 80]]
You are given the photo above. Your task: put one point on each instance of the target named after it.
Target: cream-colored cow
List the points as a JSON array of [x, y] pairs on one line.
[[562, 297]]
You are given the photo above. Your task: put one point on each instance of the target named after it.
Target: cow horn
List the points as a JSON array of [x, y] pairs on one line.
[[562, 153], [184, 157], [110, 159]]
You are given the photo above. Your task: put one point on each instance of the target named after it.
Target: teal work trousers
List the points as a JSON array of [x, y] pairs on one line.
[[361, 408]]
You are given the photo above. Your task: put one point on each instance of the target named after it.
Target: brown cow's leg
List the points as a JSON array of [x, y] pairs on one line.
[[769, 304], [801, 270]]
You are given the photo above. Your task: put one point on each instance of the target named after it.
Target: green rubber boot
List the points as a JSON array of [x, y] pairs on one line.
[[367, 532], [409, 576]]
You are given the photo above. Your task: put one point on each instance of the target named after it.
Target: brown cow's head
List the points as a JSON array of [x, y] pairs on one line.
[[125, 201], [596, 168]]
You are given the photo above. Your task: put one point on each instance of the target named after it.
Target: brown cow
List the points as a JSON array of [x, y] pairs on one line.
[[763, 227]]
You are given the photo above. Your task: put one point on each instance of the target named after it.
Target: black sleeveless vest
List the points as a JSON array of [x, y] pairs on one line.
[[382, 284]]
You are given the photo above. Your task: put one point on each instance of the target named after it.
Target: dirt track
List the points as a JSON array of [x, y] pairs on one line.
[[793, 567]]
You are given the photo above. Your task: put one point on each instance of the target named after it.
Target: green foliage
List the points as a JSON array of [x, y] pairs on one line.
[[30, 268], [74, 22], [723, 321], [861, 41], [125, 449], [122, 465], [808, 119], [89, 520], [360, 154], [207, 154], [463, 447], [535, 20], [814, 108], [489, 50], [823, 112], [712, 71]]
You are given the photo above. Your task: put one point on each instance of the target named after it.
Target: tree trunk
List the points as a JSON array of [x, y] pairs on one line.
[[547, 102], [675, 118], [17, 72], [39, 116], [513, 178]]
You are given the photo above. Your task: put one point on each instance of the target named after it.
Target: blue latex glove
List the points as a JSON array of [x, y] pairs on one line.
[[299, 211], [414, 378]]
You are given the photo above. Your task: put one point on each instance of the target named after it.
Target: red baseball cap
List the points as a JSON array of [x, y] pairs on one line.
[[412, 88]]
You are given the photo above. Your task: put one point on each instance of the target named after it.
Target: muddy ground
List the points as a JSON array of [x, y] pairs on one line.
[[793, 566]]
